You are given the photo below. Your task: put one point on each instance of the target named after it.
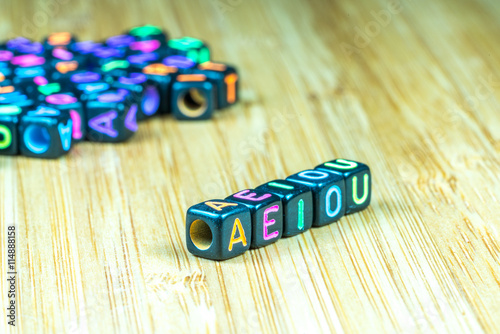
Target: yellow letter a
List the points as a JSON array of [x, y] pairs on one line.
[[241, 238]]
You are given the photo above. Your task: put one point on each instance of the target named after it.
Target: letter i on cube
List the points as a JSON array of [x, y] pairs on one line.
[[328, 193], [298, 206]]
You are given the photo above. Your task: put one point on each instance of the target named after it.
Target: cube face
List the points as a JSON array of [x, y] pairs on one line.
[[5, 76], [24, 76], [267, 215], [45, 133], [183, 64], [357, 182], [298, 206], [9, 119], [68, 103], [30, 48], [218, 229], [147, 46], [193, 97], [224, 78], [145, 91], [120, 41], [59, 39], [161, 77], [104, 55], [139, 61], [61, 63], [85, 47], [189, 47], [115, 67], [5, 58], [148, 32], [328, 191], [111, 117], [15, 98]]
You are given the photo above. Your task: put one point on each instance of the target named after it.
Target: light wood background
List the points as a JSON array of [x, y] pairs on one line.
[[100, 233]]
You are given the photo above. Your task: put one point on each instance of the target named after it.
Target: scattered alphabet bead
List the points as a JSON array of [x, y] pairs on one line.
[[99, 91], [253, 218]]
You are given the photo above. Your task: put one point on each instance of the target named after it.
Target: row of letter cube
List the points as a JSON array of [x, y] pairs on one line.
[[253, 218]]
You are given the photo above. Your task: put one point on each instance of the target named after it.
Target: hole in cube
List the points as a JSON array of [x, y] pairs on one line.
[[37, 138], [201, 234], [150, 101], [193, 102]]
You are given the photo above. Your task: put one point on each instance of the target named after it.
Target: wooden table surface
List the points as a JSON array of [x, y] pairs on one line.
[[411, 88]]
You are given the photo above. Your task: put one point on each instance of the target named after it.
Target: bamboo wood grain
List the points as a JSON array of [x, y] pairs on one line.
[[100, 233]]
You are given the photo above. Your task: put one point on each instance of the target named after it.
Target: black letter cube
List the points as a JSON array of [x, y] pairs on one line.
[[357, 182], [161, 76], [45, 133], [193, 97], [328, 193], [9, 119], [267, 215], [190, 47], [145, 91], [218, 229], [298, 206], [225, 80], [111, 117], [69, 104]]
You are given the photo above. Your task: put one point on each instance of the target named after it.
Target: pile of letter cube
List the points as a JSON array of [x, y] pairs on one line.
[[62, 91], [221, 229]]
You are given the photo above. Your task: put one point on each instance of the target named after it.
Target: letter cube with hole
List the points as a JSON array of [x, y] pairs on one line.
[[193, 97], [357, 182], [328, 194], [225, 80], [9, 120], [218, 229], [68, 103], [267, 215], [143, 90], [111, 116], [298, 206], [45, 133]]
